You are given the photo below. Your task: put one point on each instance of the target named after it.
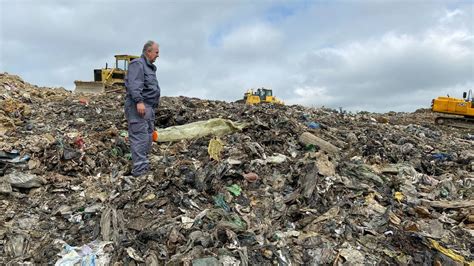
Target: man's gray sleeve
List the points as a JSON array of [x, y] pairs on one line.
[[136, 80]]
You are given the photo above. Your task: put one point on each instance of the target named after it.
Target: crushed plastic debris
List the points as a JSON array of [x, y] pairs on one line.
[[450, 253], [351, 188], [94, 253], [399, 196], [215, 149], [235, 189]]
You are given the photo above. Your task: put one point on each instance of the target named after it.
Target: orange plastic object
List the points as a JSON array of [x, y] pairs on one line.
[[154, 135]]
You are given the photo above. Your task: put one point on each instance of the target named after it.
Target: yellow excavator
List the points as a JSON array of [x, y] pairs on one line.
[[456, 112], [261, 95], [107, 79]]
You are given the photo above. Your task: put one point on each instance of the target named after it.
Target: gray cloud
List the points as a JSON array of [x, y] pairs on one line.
[[371, 55]]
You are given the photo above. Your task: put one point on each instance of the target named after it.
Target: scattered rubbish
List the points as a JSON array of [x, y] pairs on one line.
[[220, 201], [215, 148], [235, 189], [17, 245], [13, 157], [313, 125], [307, 138], [154, 136], [148, 197], [352, 256], [134, 255], [450, 204], [24, 180], [441, 157], [349, 189], [399, 196], [211, 261], [250, 177], [215, 127], [84, 101], [94, 253], [187, 222], [277, 158], [450, 253]]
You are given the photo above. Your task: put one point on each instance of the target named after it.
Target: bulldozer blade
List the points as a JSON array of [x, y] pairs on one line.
[[89, 87]]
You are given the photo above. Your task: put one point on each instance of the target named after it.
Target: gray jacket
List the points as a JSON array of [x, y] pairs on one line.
[[141, 82]]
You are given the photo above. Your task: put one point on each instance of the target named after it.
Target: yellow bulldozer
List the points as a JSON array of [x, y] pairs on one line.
[[261, 95], [107, 79], [456, 112]]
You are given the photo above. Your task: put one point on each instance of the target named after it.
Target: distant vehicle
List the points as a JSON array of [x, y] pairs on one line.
[[261, 95], [457, 112], [107, 79]]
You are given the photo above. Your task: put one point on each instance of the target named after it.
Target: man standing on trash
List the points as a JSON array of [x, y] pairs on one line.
[[143, 96]]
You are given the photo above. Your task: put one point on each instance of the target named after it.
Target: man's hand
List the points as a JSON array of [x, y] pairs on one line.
[[141, 109]]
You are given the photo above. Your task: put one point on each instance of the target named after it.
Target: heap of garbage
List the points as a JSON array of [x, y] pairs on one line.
[[231, 184]]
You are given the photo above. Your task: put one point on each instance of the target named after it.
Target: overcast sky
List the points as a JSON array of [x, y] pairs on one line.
[[377, 55]]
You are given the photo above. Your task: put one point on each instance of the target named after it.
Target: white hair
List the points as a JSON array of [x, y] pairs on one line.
[[148, 45]]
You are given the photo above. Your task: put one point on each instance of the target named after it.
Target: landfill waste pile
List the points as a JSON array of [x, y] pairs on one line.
[[239, 185]]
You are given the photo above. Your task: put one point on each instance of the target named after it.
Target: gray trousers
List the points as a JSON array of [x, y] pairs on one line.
[[140, 131]]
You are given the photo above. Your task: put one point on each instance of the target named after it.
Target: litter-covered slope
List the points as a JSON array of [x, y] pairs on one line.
[[297, 185]]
